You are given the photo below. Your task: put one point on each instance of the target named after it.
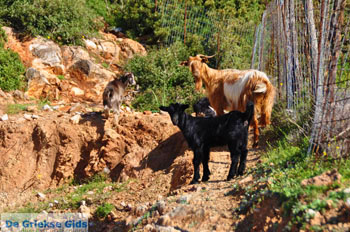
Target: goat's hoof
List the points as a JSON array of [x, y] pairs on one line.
[[255, 144], [194, 182], [229, 178], [204, 179]]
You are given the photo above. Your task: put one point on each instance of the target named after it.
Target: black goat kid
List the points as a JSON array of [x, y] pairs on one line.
[[203, 107], [203, 133]]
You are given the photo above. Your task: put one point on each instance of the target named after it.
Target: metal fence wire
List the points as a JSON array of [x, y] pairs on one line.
[[303, 46]]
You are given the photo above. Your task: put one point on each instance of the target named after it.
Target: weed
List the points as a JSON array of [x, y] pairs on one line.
[[103, 210], [16, 108], [61, 77]]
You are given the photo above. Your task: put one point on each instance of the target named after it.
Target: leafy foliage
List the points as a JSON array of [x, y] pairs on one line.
[[11, 67], [161, 79], [64, 21], [139, 19], [103, 210]]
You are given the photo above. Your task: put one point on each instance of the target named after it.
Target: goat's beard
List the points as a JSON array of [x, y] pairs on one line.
[[198, 85]]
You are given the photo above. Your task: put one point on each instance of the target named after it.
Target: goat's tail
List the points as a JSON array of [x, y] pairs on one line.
[[266, 108], [249, 111]]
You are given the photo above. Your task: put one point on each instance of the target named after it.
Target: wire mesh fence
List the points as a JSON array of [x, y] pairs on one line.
[[303, 46]]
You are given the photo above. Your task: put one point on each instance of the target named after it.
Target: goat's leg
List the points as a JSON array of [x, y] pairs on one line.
[[256, 131], [234, 153], [205, 160], [196, 161], [242, 162], [106, 111]]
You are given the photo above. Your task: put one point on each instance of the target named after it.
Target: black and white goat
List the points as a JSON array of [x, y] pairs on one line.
[[203, 107], [203, 133], [113, 94]]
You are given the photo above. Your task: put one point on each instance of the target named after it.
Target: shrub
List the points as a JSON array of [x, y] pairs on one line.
[[139, 19], [64, 21], [11, 70], [161, 79], [103, 210]]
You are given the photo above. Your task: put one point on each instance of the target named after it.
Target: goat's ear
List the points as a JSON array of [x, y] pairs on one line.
[[184, 63], [164, 108], [184, 106]]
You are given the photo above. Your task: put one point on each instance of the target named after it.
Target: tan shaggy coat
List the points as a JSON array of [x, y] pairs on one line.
[[229, 89]]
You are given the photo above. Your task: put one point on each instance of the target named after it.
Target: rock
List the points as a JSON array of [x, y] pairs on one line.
[[35, 116], [147, 112], [46, 107], [76, 108], [347, 203], [140, 210], [106, 170], [55, 202], [75, 119], [90, 193], [18, 94], [148, 228], [311, 212], [27, 117], [326, 178], [90, 44], [5, 117], [75, 91], [2, 94], [85, 210], [246, 180], [50, 205], [346, 191], [164, 220], [47, 51], [317, 219], [161, 207], [41, 196], [32, 109], [184, 199]]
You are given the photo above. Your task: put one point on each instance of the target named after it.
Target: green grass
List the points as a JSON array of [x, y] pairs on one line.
[[71, 195], [16, 108]]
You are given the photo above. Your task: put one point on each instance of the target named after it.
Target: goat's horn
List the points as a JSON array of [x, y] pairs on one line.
[[208, 57]]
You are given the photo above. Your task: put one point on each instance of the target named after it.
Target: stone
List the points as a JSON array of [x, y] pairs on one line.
[[46, 107], [77, 92], [75, 119], [27, 117], [5, 117], [161, 207], [35, 116], [164, 220], [32, 109], [41, 195], [85, 210], [326, 178], [317, 219]]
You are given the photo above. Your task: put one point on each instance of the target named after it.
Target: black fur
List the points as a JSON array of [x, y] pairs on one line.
[[203, 133], [203, 106]]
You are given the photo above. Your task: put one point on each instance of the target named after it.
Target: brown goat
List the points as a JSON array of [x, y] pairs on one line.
[[230, 89]]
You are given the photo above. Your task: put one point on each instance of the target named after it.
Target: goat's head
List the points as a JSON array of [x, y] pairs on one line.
[[174, 110], [195, 63], [128, 78]]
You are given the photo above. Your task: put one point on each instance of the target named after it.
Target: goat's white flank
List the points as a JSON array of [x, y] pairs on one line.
[[233, 91]]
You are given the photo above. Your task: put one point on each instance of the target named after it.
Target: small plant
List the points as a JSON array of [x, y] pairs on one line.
[[16, 108], [11, 70], [103, 210], [60, 77]]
